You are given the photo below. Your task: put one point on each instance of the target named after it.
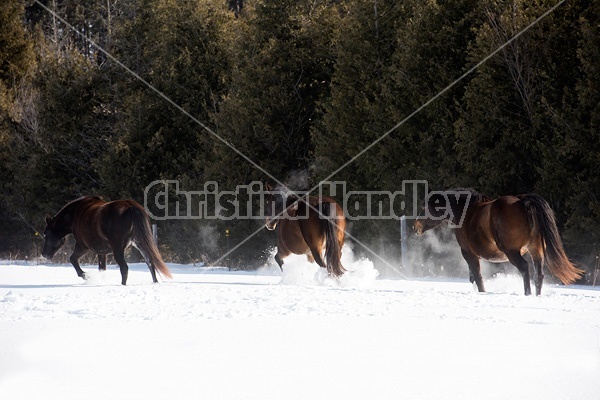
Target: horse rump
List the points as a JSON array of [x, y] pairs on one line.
[[554, 254]]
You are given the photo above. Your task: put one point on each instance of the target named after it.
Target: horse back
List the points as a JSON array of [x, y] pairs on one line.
[[99, 224], [305, 228], [290, 238], [294, 233], [510, 219], [492, 228], [117, 221]]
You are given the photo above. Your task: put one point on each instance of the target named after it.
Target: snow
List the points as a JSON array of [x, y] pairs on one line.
[[211, 333]]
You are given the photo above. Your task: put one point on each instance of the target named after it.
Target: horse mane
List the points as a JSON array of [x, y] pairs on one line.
[[289, 196], [72, 203], [83, 198], [476, 197], [292, 199]]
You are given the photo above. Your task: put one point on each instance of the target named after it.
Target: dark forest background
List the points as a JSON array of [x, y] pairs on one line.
[[299, 86]]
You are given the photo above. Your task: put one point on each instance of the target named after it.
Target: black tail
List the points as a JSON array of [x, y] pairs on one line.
[[333, 247], [142, 236], [554, 253]]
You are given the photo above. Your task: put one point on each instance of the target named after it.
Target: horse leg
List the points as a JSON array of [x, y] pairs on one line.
[[149, 264], [318, 259], [279, 260], [78, 251], [314, 238], [315, 254], [101, 262], [538, 262], [474, 269], [120, 259], [516, 259], [281, 254]]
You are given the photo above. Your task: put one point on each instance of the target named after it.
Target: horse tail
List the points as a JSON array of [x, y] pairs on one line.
[[334, 228], [554, 254], [142, 236]]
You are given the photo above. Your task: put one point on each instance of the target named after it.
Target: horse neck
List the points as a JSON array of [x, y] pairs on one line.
[[290, 199], [458, 204], [66, 217]]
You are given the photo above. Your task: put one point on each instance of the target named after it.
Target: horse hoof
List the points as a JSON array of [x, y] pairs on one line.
[[84, 276]]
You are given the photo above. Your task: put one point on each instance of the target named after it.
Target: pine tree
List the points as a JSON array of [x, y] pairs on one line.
[[390, 60], [16, 56], [281, 65], [17, 60], [571, 152], [175, 47]]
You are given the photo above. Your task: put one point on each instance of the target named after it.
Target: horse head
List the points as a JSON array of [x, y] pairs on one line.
[[450, 205], [54, 237], [435, 212]]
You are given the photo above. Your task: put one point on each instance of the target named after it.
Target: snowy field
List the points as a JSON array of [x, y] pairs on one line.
[[215, 334]]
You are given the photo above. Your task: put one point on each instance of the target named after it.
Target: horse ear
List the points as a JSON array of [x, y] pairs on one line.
[[48, 219]]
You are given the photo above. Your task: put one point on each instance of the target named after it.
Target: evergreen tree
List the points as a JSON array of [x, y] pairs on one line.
[[296, 86], [60, 154], [571, 151], [174, 46], [391, 59], [281, 64], [17, 61]]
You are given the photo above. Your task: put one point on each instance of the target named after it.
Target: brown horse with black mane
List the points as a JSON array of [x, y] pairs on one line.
[[314, 226], [104, 227], [501, 230]]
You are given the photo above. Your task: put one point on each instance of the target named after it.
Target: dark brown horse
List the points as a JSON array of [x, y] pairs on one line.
[[501, 230], [104, 227], [314, 226]]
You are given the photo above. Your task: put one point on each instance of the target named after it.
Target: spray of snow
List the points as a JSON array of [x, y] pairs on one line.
[[95, 277], [506, 283], [437, 254], [360, 272]]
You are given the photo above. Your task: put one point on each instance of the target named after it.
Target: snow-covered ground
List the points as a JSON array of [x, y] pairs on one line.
[[215, 334]]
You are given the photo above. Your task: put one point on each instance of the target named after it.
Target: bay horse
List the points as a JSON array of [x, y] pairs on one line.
[[500, 230], [314, 226], [104, 227]]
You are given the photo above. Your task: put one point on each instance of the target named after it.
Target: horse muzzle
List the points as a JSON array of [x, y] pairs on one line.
[[418, 229], [271, 225]]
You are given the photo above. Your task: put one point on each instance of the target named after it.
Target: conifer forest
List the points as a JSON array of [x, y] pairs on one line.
[[104, 97]]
